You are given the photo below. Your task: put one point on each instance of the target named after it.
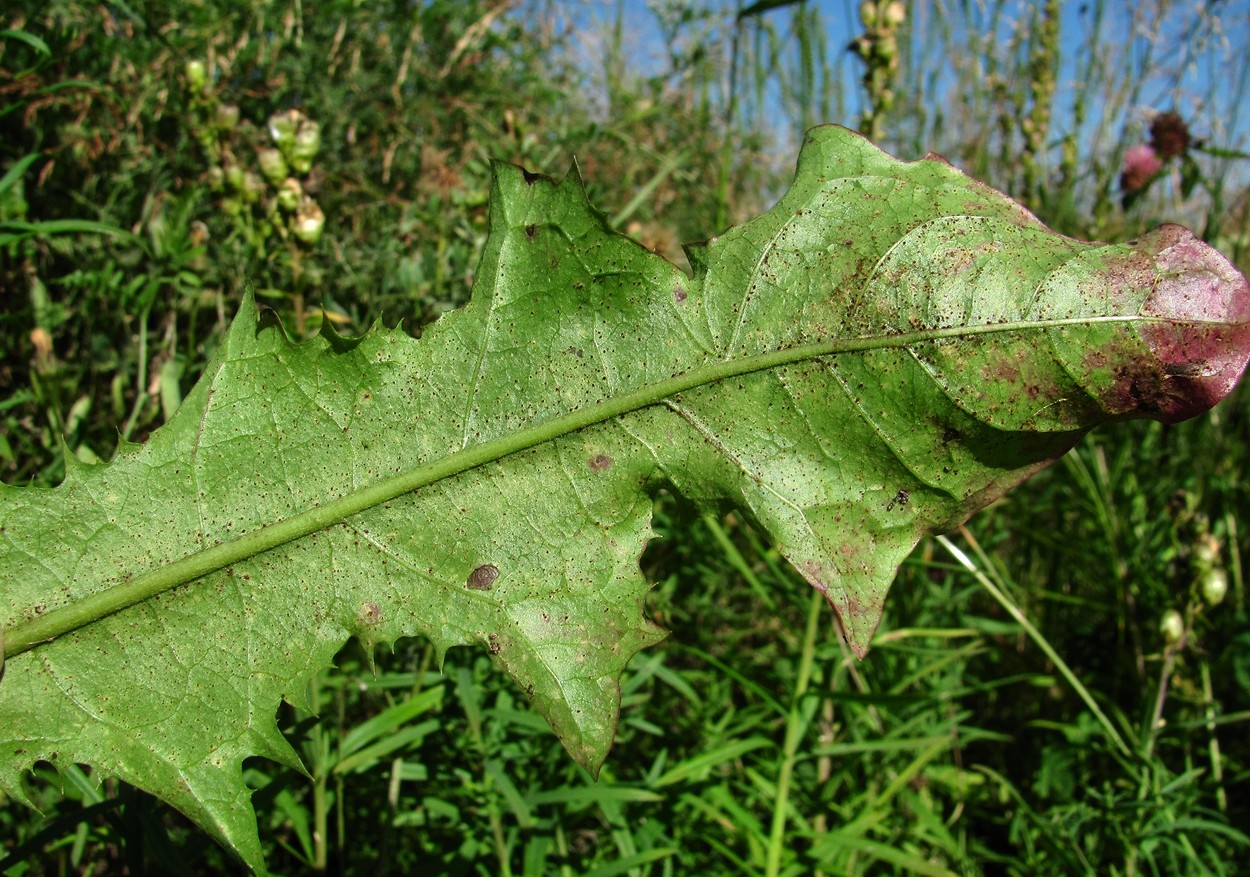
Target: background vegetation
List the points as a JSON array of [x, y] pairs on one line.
[[1108, 736]]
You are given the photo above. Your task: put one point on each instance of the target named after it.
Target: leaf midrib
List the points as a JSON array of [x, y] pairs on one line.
[[47, 627]]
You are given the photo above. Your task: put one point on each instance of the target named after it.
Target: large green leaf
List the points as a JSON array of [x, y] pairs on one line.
[[887, 350]]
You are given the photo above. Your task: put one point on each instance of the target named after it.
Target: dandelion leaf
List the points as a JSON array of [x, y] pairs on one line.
[[887, 350]]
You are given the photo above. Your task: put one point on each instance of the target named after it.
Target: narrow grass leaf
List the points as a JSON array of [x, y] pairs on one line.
[[516, 802], [624, 866], [390, 719], [596, 794], [699, 766], [884, 853]]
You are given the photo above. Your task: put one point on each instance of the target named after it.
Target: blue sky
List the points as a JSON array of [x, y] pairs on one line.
[[1194, 54]]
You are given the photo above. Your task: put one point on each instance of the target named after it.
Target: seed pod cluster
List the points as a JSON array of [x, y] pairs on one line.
[[296, 139], [1199, 571], [1209, 574], [877, 47], [272, 197]]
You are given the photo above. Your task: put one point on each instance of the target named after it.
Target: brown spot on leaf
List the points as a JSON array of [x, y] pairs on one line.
[[370, 613], [1002, 369], [679, 293], [600, 462], [482, 578]]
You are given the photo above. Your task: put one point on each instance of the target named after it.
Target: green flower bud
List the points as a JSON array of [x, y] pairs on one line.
[[235, 177], [895, 13], [198, 235], [1172, 626], [868, 13], [309, 222], [232, 207], [887, 47], [1206, 553], [227, 118], [307, 144], [253, 187], [290, 193], [1214, 585], [216, 178], [273, 166], [282, 128], [196, 75], [264, 229]]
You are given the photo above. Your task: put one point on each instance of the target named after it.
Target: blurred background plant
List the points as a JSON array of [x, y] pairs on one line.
[[1063, 689]]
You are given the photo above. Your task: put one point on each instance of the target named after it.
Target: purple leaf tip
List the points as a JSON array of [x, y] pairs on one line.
[[1203, 347]]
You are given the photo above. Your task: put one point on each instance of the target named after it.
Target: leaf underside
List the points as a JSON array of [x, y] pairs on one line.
[[945, 345]]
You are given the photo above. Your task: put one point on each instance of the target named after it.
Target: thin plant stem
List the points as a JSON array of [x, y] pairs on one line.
[[1213, 746], [1234, 556], [796, 725], [1161, 696], [321, 823], [1034, 634], [727, 149], [318, 748], [141, 393]]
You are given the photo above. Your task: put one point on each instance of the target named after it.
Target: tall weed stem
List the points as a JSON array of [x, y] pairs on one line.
[[800, 715], [1033, 633]]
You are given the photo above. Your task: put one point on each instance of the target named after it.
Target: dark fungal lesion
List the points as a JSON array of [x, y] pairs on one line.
[[901, 499], [482, 578]]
